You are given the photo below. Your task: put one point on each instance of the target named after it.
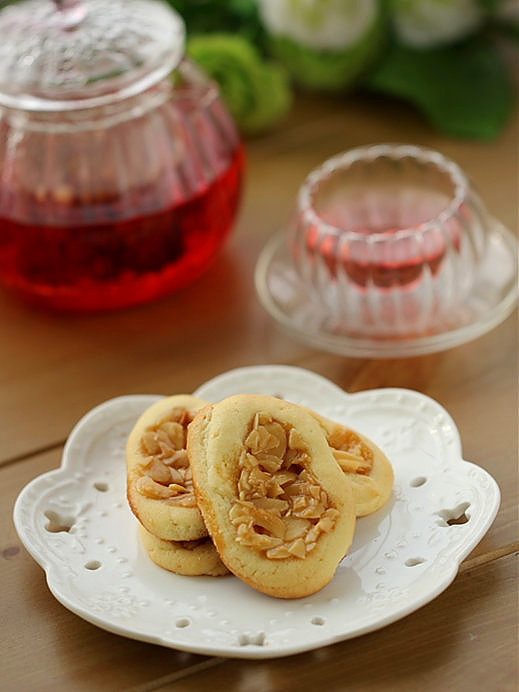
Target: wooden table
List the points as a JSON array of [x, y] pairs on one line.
[[55, 368]]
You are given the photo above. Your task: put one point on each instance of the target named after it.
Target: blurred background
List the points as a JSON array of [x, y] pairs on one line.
[[453, 60]]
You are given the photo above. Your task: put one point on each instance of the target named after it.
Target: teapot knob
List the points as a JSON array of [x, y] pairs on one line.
[[72, 12]]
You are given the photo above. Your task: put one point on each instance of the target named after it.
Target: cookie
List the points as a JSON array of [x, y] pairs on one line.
[[189, 558], [278, 507], [159, 485], [365, 465]]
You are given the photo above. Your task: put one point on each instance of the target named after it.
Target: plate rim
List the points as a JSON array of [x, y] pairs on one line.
[[51, 569]]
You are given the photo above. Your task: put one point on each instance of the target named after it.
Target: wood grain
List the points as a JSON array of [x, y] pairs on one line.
[[73, 363], [464, 640], [64, 651], [54, 368]]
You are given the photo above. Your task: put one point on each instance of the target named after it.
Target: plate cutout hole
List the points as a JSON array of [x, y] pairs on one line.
[[413, 561], [93, 565], [318, 621], [456, 516], [182, 622], [102, 487], [57, 522], [252, 639], [418, 481]]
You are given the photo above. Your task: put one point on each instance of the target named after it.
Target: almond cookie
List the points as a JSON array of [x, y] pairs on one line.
[[276, 504], [365, 465], [159, 483], [189, 558]]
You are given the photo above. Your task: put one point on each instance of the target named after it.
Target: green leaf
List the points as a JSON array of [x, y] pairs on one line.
[[256, 91], [464, 90], [214, 16]]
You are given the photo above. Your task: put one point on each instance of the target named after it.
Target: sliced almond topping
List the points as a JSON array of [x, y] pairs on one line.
[[297, 548], [150, 443], [186, 500], [158, 471], [166, 449], [270, 503], [268, 521], [178, 459], [258, 478], [299, 503], [295, 441], [179, 489], [351, 451], [250, 461], [252, 440], [277, 439], [175, 433], [293, 456], [149, 488], [247, 536], [239, 512], [282, 509], [326, 524], [296, 489], [315, 492], [283, 477], [312, 535], [243, 460], [295, 528], [351, 463], [166, 471], [188, 474], [261, 418], [312, 511], [175, 475], [278, 553], [270, 462], [274, 489]]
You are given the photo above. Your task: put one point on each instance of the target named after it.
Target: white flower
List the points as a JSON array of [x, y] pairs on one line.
[[320, 24], [508, 10], [424, 23]]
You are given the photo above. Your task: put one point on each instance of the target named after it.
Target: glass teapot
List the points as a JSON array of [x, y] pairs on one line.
[[120, 167]]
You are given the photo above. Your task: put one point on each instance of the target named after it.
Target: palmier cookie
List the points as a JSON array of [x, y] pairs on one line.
[[160, 488], [365, 465], [189, 558], [276, 504]]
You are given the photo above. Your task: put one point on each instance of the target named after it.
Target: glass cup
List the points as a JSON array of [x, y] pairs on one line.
[[387, 239]]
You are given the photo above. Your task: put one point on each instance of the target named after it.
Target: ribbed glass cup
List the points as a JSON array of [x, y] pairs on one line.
[[387, 239]]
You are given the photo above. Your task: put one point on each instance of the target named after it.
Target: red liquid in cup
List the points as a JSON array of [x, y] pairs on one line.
[[393, 271], [398, 256], [104, 263]]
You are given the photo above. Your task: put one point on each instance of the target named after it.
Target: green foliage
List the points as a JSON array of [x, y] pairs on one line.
[[256, 92], [217, 16], [328, 70], [464, 90]]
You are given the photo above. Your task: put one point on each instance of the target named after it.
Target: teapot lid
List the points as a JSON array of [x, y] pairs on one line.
[[67, 54]]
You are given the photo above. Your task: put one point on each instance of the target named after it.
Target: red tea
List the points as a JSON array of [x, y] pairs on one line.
[[382, 250], [396, 266], [106, 261]]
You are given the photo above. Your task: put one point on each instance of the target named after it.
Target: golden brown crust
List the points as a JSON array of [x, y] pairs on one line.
[[188, 558], [367, 468], [216, 443], [164, 517]]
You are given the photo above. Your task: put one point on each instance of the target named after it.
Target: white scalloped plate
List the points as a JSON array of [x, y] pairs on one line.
[[402, 556]]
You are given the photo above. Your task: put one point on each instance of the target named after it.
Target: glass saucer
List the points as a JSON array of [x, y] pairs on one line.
[[492, 299]]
